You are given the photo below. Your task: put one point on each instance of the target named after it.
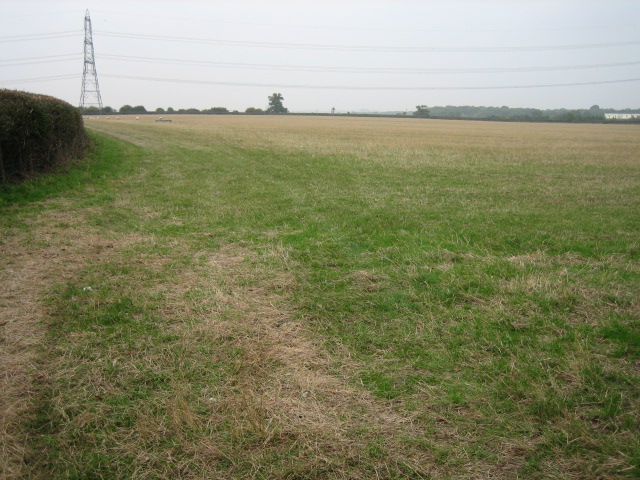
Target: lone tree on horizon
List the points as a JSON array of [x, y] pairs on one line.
[[422, 111], [275, 104]]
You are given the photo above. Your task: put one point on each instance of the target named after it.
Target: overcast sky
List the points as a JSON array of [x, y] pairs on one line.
[[350, 54]]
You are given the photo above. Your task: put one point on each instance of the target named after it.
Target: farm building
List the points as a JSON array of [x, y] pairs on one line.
[[621, 116]]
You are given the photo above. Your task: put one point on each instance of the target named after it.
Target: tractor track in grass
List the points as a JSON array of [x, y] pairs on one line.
[[53, 250], [283, 390]]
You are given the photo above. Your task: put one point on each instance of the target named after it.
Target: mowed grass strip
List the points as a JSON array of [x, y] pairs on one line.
[[341, 298]]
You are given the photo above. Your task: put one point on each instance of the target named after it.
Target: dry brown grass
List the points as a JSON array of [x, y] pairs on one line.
[[285, 391], [21, 334], [56, 247], [398, 140]]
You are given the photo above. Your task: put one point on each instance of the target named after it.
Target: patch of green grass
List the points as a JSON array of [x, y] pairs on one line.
[[626, 334], [101, 162], [117, 362]]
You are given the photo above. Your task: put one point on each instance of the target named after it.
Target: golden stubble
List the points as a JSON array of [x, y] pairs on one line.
[[402, 141]]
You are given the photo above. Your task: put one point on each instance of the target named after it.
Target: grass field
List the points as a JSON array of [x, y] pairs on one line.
[[316, 297]]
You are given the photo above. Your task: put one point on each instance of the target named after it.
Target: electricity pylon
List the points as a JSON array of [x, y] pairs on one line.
[[90, 94]]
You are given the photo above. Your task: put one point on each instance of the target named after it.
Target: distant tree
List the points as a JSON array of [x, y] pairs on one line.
[[128, 109], [170, 110], [422, 111], [594, 113], [537, 114], [254, 111], [90, 110], [216, 110], [160, 110], [275, 104], [570, 116]]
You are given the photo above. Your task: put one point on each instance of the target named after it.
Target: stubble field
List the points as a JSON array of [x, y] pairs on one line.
[[320, 297]]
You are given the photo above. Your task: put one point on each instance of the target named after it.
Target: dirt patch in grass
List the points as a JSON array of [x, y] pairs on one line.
[[53, 250], [21, 333], [285, 391], [285, 408]]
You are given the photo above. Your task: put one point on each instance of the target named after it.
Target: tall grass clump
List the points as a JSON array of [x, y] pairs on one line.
[[37, 133]]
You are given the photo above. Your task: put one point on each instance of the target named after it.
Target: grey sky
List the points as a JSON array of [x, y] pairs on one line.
[[383, 55]]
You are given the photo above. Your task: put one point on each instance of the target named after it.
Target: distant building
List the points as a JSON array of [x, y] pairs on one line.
[[621, 116]]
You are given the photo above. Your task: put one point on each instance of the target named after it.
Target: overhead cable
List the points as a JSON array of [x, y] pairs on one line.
[[372, 70], [23, 59], [337, 87], [366, 48], [39, 36], [39, 62], [564, 28], [43, 14], [38, 79]]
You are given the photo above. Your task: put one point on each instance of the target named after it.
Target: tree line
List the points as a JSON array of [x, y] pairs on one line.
[[592, 114], [275, 107], [141, 110]]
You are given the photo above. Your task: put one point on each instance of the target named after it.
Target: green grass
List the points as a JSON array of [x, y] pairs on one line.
[[490, 297], [103, 160]]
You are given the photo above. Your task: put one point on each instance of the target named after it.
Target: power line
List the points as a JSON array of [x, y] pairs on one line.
[[334, 69], [375, 29], [367, 48], [314, 68], [21, 59], [336, 87], [39, 36], [47, 14], [40, 79], [39, 62], [324, 87]]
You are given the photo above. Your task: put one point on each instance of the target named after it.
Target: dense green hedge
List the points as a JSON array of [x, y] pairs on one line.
[[37, 132]]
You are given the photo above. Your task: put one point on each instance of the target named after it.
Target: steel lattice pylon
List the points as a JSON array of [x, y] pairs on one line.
[[90, 95]]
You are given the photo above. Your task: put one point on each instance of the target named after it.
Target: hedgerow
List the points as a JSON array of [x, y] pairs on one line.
[[37, 133]]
